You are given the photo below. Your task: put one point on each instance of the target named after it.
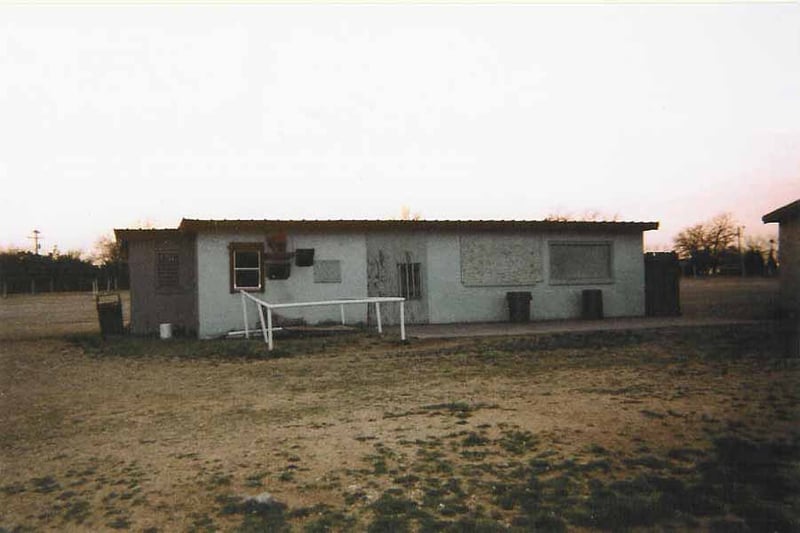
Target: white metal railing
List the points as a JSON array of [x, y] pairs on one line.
[[267, 329]]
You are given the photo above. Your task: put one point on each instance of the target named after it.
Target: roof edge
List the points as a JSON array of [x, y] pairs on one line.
[[790, 210], [194, 225], [145, 234]]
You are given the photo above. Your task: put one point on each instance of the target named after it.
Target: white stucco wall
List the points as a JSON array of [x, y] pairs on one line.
[[219, 311], [450, 301], [446, 298]]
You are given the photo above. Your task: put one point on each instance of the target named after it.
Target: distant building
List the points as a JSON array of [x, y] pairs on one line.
[[448, 271], [788, 219]]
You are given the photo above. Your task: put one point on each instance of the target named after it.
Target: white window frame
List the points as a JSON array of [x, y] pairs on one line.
[[251, 247]]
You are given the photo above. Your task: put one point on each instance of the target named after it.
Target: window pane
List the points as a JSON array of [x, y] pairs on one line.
[[247, 279], [246, 259]]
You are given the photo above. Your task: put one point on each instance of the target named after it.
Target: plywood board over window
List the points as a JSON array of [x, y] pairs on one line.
[[327, 271], [500, 260], [583, 262]]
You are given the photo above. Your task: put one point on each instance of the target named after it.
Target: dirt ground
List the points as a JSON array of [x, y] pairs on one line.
[[693, 428]]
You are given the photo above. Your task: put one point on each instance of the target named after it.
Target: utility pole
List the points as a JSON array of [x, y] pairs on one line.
[[741, 257], [36, 237]]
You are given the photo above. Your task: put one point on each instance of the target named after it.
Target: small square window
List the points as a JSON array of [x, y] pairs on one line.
[[410, 281]]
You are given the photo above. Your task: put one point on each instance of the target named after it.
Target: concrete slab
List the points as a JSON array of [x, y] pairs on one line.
[[433, 331]]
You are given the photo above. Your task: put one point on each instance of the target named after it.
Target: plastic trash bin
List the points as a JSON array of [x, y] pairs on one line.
[[519, 306], [592, 304], [109, 312]]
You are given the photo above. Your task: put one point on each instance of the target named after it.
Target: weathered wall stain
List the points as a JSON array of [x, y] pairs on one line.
[[384, 253]]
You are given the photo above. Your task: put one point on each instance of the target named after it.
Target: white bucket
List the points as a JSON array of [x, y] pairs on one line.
[[165, 331]]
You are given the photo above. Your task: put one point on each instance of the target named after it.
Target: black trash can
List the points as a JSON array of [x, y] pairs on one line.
[[519, 306], [592, 304], [109, 312]]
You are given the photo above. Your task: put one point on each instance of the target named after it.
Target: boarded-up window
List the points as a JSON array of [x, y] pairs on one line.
[[580, 262], [328, 271], [410, 280], [167, 270], [500, 260]]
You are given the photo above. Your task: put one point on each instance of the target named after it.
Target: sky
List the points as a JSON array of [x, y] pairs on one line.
[[117, 116]]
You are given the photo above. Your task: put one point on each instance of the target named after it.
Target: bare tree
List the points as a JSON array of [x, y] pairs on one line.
[[72, 254], [704, 243], [760, 244], [11, 250], [106, 251], [107, 254], [590, 215]]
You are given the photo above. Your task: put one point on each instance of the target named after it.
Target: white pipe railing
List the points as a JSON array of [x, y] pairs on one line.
[[267, 329]]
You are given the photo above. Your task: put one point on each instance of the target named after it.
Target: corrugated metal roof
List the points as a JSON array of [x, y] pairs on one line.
[[188, 225], [422, 225], [145, 233]]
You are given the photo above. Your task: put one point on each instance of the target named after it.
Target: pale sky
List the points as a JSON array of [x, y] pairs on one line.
[[111, 116]]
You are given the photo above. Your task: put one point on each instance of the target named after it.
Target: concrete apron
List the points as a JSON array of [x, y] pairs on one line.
[[494, 329]]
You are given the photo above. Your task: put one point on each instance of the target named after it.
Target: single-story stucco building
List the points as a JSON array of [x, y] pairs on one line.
[[448, 271], [788, 219]]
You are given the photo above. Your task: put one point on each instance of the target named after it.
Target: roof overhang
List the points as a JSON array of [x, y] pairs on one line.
[[787, 212], [145, 234]]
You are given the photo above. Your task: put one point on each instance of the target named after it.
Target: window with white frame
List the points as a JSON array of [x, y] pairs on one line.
[[246, 266]]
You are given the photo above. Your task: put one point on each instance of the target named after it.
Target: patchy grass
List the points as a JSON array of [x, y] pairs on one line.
[[142, 347], [267, 517], [677, 429], [45, 484]]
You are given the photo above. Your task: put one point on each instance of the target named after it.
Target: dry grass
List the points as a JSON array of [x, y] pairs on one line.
[[730, 297], [51, 315], [688, 429]]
